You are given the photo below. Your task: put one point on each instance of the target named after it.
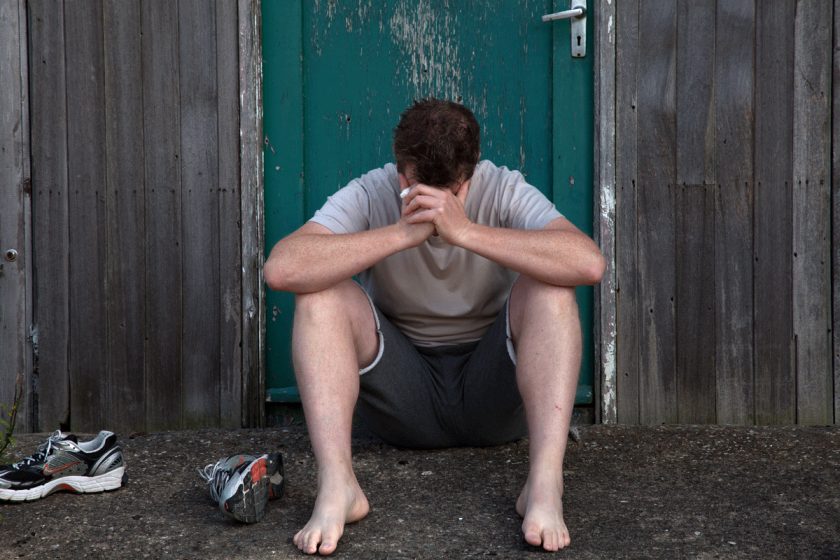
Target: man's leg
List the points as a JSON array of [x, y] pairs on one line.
[[334, 335], [546, 332]]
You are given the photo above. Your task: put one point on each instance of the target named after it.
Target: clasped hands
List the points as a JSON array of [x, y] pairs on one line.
[[431, 210]]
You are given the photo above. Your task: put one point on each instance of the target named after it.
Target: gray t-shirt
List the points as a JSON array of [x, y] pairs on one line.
[[437, 293]]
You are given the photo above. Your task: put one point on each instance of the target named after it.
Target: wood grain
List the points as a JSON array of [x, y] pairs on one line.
[[626, 259], [87, 215], [734, 108], [775, 380], [656, 228], [812, 212]]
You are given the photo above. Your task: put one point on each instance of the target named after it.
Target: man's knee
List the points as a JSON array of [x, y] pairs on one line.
[[330, 302], [339, 307], [530, 298]]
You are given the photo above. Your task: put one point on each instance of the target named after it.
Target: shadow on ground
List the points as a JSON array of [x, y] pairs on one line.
[[663, 492]]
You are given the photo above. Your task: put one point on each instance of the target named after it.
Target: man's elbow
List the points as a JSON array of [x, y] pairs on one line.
[[276, 277], [595, 269]]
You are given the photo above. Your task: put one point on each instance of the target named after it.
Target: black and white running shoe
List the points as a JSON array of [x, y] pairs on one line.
[[243, 484], [64, 463]]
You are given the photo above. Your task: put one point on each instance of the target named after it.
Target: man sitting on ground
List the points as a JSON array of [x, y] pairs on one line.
[[462, 330]]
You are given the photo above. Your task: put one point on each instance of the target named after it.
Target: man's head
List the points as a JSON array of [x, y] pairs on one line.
[[438, 142]]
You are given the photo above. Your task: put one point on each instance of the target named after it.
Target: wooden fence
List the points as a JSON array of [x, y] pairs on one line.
[[145, 213], [130, 162], [723, 231]]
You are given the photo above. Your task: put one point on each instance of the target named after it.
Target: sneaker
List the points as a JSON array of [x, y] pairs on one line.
[[64, 463], [243, 484]]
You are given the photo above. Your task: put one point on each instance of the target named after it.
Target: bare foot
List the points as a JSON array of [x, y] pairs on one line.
[[541, 506], [339, 501]]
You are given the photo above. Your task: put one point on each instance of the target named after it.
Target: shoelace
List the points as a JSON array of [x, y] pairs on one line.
[[42, 452], [216, 477]]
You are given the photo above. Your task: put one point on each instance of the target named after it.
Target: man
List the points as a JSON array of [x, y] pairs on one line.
[[466, 302]]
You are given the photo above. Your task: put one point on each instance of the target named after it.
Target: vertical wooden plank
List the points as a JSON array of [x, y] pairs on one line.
[[695, 93], [626, 258], [86, 210], [14, 202], [200, 212], [835, 212], [125, 403], [230, 267], [656, 178], [50, 225], [734, 72], [695, 212], [161, 139], [251, 185], [27, 410], [605, 181], [695, 269], [811, 212], [775, 383]]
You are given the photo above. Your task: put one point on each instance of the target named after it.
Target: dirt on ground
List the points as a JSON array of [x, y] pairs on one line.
[[631, 492]]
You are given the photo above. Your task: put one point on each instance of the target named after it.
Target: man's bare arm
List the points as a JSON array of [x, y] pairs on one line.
[[560, 254], [314, 258]]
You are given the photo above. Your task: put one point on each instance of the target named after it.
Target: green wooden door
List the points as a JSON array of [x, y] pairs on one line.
[[337, 75]]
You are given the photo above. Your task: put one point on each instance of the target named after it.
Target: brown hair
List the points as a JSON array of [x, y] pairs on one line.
[[440, 139]]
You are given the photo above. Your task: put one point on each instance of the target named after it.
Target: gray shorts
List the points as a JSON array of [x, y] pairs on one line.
[[445, 396]]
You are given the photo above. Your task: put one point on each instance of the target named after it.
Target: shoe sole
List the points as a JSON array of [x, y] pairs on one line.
[[111, 480], [254, 488]]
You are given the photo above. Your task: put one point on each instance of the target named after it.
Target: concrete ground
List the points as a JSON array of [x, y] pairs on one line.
[[631, 492]]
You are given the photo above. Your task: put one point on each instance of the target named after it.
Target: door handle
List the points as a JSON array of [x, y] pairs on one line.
[[576, 13]]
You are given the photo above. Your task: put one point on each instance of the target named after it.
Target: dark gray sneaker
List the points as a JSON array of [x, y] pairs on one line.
[[63, 463], [243, 484]]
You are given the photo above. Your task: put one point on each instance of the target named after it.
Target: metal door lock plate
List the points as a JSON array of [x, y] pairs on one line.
[[576, 13]]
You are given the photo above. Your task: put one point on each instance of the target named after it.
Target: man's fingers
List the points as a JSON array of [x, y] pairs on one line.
[[421, 201], [422, 216]]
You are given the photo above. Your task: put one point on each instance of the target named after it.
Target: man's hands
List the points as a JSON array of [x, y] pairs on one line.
[[438, 209]]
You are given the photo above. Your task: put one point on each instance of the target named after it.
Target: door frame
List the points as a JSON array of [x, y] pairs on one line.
[[604, 207], [252, 207]]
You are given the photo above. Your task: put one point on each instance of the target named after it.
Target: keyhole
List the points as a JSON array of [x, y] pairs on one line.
[[578, 40]]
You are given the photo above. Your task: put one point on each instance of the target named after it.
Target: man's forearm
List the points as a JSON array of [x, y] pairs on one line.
[[558, 257], [309, 262]]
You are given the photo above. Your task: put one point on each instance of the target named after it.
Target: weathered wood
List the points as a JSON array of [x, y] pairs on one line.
[[626, 257], [734, 59], [695, 54], [251, 188], [605, 181], [835, 213], [50, 237], [162, 137], [695, 267], [86, 210], [695, 213], [15, 310], [656, 178], [230, 267], [27, 409], [125, 391], [775, 382], [812, 212], [200, 213]]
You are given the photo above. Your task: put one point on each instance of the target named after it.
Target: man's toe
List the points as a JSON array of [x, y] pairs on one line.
[[329, 542], [550, 542], [565, 539], [311, 542], [532, 535]]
